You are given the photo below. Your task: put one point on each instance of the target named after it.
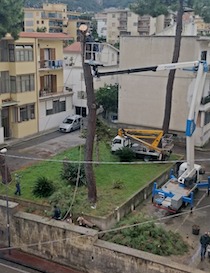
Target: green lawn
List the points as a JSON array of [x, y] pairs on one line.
[[131, 177]]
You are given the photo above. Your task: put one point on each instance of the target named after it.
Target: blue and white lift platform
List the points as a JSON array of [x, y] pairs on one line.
[[173, 194]]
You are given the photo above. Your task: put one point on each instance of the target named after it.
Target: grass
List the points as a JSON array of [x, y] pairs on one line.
[[130, 176]]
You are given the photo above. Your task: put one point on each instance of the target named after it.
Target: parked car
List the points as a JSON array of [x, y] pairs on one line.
[[71, 123]]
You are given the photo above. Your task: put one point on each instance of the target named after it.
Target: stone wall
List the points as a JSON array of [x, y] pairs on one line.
[[78, 247]]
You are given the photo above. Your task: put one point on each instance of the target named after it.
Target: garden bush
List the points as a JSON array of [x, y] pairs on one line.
[[125, 154], [145, 235], [43, 187], [70, 174]]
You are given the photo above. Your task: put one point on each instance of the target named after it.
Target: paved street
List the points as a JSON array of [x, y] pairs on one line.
[[43, 146]]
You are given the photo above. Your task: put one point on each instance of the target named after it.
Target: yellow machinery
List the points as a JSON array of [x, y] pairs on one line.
[[147, 144]]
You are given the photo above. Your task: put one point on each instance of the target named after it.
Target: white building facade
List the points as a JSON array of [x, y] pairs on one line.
[[142, 95], [74, 76]]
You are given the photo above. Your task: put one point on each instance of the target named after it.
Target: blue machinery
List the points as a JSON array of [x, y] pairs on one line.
[[173, 194]]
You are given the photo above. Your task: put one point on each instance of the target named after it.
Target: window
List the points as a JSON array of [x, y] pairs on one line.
[[24, 113], [3, 51], [11, 53], [81, 95], [13, 84], [24, 53], [57, 106], [28, 14], [37, 22], [113, 15], [207, 118], [29, 23], [4, 82], [25, 83]]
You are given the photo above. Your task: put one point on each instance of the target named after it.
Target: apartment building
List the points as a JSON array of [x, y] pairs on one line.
[[74, 76], [114, 23], [203, 28], [33, 97], [142, 95], [53, 18]]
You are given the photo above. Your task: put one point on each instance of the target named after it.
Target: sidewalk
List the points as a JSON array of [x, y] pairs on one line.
[[34, 262]]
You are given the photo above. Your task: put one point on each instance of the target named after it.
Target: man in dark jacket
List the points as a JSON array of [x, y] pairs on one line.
[[56, 213], [204, 240]]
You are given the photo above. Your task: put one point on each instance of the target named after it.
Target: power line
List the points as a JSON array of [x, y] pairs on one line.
[[105, 162]]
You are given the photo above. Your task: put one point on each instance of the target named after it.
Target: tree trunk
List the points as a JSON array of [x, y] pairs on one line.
[[5, 173], [171, 76], [91, 128]]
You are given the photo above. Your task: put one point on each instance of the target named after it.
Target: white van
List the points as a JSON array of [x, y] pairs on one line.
[[71, 123]]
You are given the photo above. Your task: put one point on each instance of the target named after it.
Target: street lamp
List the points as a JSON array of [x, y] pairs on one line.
[[4, 151]]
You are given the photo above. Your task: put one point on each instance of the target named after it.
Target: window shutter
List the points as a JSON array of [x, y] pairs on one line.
[[54, 83]]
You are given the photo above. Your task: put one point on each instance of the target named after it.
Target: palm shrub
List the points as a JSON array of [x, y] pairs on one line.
[[145, 235], [73, 173], [125, 154], [43, 187]]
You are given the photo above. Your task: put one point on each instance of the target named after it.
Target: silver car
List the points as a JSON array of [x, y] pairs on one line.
[[71, 123]]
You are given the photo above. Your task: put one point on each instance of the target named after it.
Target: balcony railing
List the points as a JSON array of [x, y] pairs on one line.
[[50, 64], [49, 92]]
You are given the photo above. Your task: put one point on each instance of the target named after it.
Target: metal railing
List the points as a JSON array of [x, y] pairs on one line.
[[51, 64]]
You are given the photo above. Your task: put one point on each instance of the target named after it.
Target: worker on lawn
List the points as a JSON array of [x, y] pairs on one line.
[[18, 190], [204, 241], [56, 213]]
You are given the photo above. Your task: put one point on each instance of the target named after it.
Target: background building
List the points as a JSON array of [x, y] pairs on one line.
[[74, 76], [142, 95], [114, 23], [54, 18]]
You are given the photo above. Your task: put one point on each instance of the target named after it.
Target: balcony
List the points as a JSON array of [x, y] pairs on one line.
[[49, 92], [50, 64], [143, 28]]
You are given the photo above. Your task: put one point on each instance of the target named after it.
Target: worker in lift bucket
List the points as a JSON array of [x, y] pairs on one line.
[[204, 241]]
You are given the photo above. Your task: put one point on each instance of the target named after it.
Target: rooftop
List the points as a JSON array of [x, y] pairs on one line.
[[44, 35], [75, 47]]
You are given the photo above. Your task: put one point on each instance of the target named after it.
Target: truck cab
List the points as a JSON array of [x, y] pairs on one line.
[[119, 142]]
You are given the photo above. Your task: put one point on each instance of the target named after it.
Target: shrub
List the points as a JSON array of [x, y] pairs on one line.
[[43, 187], [147, 236], [118, 184], [69, 173], [125, 154]]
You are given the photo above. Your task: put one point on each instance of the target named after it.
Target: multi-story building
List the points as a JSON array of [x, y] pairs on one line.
[[203, 28], [114, 23], [33, 96], [74, 76], [49, 18], [53, 18]]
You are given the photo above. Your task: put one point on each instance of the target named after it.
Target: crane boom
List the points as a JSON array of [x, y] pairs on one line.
[[193, 66]]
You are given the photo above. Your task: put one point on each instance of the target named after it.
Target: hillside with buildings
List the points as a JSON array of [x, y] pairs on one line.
[[81, 5]]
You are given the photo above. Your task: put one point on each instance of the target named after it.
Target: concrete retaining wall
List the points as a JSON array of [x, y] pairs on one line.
[[78, 247]]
